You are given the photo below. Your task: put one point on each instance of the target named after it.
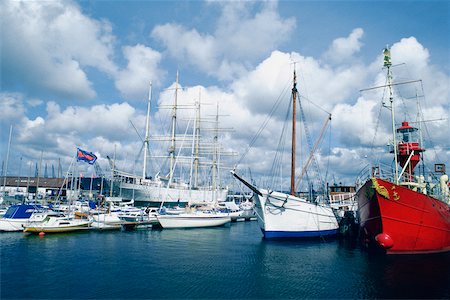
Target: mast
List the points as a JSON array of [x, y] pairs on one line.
[[147, 122], [388, 64], [174, 125], [7, 158], [197, 140], [294, 123], [113, 171], [215, 151]]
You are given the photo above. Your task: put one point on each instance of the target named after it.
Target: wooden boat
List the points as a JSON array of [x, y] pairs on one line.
[[287, 215]]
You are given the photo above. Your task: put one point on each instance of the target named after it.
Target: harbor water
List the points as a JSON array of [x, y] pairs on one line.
[[231, 262]]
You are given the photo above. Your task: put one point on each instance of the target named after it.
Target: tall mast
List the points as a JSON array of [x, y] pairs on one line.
[[294, 123], [215, 149], [113, 171], [7, 158], [197, 140], [174, 125], [388, 64], [147, 124]]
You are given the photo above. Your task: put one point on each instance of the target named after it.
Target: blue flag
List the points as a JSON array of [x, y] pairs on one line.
[[88, 157]]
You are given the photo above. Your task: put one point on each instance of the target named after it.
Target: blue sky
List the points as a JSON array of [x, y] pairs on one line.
[[75, 73]]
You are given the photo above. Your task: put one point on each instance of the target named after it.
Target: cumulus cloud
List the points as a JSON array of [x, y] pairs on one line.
[[241, 48], [11, 107], [133, 82], [56, 42], [344, 48], [238, 41]]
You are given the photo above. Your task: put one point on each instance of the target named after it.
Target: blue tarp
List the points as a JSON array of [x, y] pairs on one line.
[[20, 211]]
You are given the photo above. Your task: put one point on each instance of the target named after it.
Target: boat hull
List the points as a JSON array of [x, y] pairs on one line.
[[284, 216], [12, 224], [193, 220], [17, 216], [57, 225], [399, 220]]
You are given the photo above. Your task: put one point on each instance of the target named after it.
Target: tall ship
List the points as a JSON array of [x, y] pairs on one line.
[[187, 154], [290, 215], [400, 212]]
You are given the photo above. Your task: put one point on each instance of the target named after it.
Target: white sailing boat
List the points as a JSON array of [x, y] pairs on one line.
[[167, 189], [56, 224], [282, 215], [194, 218]]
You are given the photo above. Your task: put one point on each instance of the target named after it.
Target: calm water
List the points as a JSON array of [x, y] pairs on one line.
[[228, 263]]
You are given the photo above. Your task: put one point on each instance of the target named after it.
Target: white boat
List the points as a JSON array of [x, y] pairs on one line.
[[170, 189], [194, 220], [55, 224], [232, 209], [248, 211], [17, 216], [283, 215], [106, 221]]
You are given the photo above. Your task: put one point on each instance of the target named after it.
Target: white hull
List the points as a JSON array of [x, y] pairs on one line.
[[12, 224], [193, 220], [158, 193], [106, 221], [57, 225], [283, 215]]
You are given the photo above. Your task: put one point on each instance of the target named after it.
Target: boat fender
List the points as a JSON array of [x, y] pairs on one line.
[[384, 240]]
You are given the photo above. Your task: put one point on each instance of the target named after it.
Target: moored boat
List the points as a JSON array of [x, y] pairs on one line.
[[153, 190], [401, 213], [53, 224], [287, 215], [194, 218], [17, 216]]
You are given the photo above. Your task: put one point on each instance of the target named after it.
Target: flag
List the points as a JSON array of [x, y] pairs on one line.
[[88, 157]]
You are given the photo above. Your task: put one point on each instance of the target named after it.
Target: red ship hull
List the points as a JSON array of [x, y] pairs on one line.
[[400, 220]]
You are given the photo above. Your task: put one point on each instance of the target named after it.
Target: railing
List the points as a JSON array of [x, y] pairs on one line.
[[429, 184]]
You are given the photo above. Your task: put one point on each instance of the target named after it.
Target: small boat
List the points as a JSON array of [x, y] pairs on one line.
[[17, 216], [401, 213], [56, 224], [106, 221], [194, 219], [232, 209], [248, 212]]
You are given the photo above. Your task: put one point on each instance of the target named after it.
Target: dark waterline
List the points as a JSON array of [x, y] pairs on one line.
[[232, 262]]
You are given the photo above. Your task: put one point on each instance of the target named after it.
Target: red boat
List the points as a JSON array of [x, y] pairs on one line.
[[405, 214]]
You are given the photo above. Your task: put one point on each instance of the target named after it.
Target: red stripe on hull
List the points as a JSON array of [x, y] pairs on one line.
[[405, 221]]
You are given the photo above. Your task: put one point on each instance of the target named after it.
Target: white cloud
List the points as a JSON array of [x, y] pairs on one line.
[[133, 82], [239, 39], [46, 45], [11, 108], [344, 48]]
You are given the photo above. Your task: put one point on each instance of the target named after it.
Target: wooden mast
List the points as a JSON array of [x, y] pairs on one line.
[[294, 120]]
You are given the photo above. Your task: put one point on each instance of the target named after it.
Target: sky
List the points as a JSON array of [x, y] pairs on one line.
[[77, 74]]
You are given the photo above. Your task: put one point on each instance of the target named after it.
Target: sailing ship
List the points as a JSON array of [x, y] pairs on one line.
[[403, 213], [283, 215], [154, 190]]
